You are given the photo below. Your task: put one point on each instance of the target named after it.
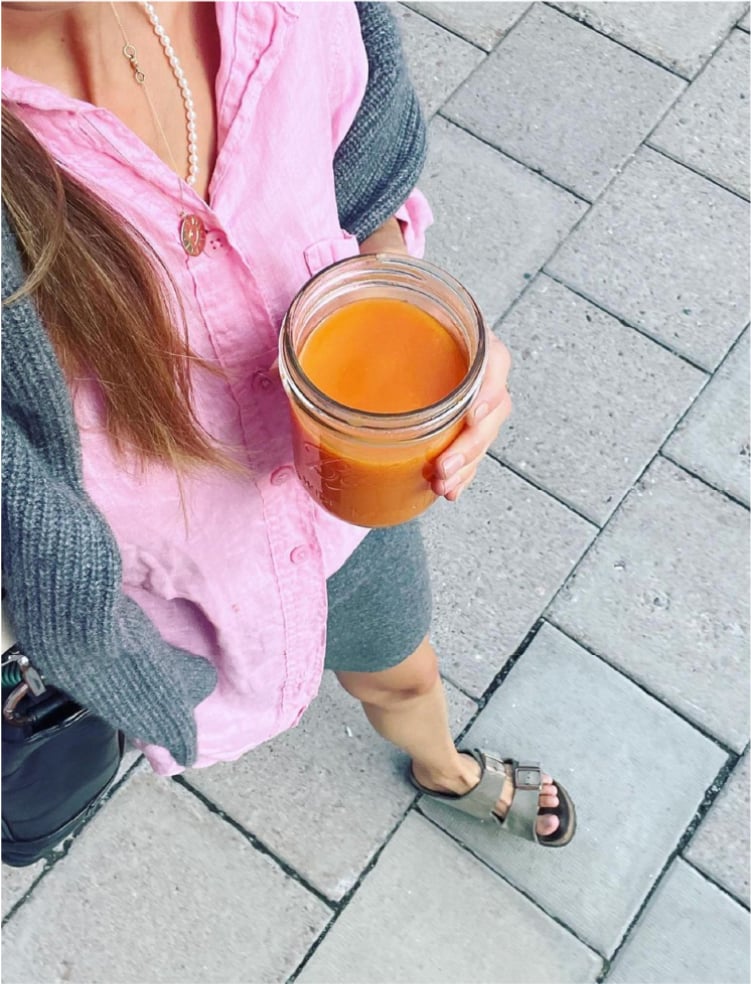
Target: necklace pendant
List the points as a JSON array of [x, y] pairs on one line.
[[192, 235]]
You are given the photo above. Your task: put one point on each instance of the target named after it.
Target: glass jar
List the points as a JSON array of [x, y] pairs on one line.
[[374, 469]]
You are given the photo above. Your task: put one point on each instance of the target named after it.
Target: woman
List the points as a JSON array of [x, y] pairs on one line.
[[163, 564]]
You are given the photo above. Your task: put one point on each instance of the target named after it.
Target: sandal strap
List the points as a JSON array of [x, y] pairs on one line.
[[521, 816], [481, 800]]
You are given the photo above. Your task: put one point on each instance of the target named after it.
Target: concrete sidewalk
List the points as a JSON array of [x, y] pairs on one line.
[[589, 173]]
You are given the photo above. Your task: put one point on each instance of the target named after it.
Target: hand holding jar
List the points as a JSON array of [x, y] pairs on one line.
[[384, 360], [457, 465]]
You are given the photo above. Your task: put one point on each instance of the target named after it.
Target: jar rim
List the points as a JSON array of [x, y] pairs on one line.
[[344, 416]]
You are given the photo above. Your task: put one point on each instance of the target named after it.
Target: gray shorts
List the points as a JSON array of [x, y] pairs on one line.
[[379, 602]]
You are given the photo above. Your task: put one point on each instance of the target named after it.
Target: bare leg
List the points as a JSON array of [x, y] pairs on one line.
[[407, 705]]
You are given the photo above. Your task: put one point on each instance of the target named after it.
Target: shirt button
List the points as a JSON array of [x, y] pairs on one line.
[[299, 555], [281, 475], [260, 382]]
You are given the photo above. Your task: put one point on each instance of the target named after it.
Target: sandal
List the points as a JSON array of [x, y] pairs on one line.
[[521, 815]]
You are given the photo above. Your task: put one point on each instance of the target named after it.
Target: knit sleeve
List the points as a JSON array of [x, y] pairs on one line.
[[61, 571], [61, 563], [378, 163]]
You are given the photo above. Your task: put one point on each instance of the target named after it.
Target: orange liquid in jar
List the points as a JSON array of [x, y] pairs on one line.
[[384, 356]]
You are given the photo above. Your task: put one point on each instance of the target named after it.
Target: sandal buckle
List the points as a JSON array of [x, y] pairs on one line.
[[527, 777]]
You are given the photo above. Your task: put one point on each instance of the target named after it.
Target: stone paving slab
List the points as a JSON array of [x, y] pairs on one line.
[[708, 128], [743, 22], [636, 772], [438, 60], [484, 24], [593, 399], [690, 932], [325, 795], [538, 97], [667, 251], [499, 221], [663, 594], [720, 847], [16, 883], [680, 36], [496, 560], [160, 889], [429, 912], [713, 440]]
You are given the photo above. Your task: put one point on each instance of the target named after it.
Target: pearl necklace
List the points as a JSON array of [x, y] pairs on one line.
[[190, 112], [192, 230]]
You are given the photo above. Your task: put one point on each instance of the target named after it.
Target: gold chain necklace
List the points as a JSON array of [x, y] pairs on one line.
[[192, 230]]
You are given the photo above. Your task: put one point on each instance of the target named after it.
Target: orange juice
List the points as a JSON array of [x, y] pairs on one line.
[[379, 376], [383, 356]]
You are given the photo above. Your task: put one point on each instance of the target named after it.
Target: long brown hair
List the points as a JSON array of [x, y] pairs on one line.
[[108, 305]]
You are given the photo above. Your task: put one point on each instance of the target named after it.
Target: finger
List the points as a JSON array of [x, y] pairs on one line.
[[472, 443], [468, 475], [493, 387]]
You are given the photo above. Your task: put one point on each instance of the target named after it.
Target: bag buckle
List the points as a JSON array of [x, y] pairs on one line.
[[30, 684], [10, 705]]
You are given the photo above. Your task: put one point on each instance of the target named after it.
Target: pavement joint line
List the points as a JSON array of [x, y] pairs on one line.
[[680, 95], [665, 454], [498, 457], [710, 796], [590, 546], [497, 680], [473, 71], [701, 174], [626, 324], [511, 883], [715, 884], [450, 30], [254, 841], [709, 374], [340, 906], [704, 481], [725, 748], [504, 153], [541, 269], [334, 907], [622, 44], [27, 894], [56, 854]]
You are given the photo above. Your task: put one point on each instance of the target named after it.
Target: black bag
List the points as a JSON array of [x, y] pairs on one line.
[[58, 761]]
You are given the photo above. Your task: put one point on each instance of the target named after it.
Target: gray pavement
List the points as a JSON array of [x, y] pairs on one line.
[[589, 172]]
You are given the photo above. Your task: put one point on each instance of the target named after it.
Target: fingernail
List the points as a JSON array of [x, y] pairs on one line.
[[479, 413], [449, 485], [452, 464]]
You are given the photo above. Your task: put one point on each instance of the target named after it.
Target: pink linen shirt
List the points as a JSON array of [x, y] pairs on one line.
[[232, 567]]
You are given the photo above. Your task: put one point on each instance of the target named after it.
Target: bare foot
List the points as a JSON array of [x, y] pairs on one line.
[[467, 777]]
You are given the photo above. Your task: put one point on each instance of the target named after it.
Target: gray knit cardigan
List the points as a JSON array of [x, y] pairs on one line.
[[61, 565]]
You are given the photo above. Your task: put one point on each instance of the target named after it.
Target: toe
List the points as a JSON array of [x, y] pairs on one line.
[[549, 801], [547, 825]]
